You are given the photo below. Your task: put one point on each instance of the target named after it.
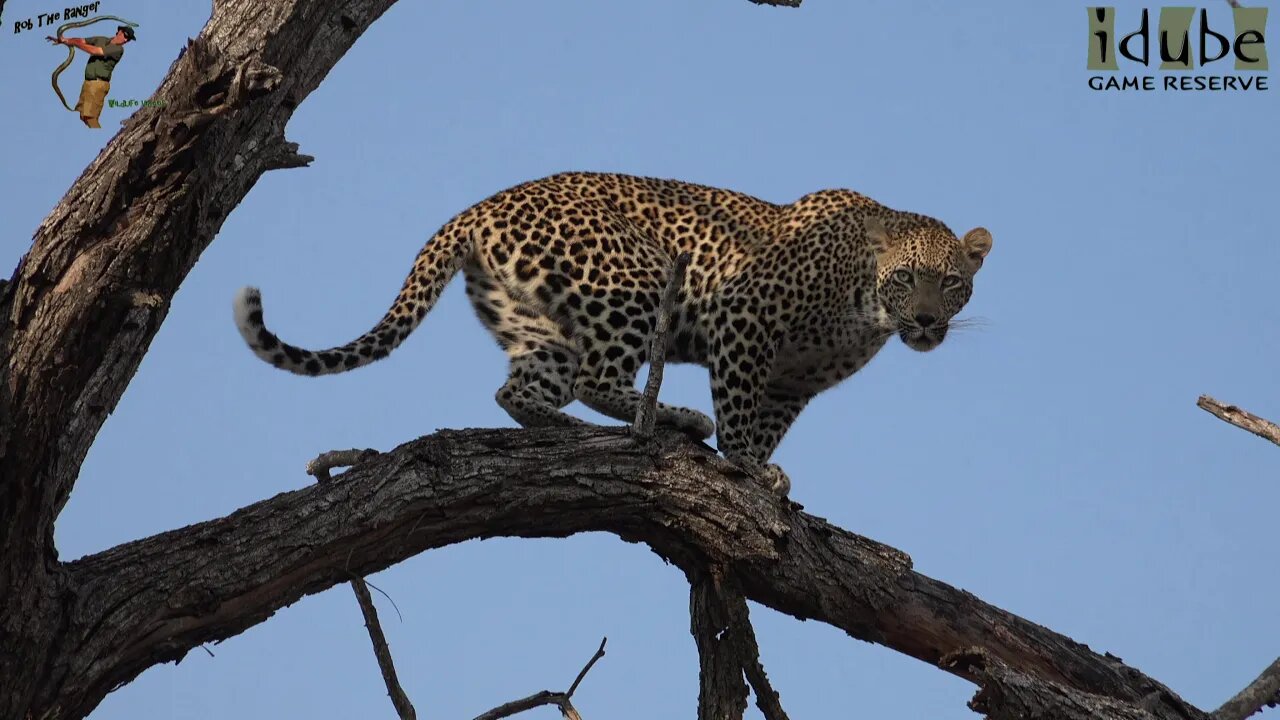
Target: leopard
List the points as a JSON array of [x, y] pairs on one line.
[[779, 302]]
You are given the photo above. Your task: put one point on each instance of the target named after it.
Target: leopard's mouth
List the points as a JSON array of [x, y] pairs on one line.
[[922, 339]]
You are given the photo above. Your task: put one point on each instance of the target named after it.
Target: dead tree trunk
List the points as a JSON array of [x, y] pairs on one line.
[[84, 304]]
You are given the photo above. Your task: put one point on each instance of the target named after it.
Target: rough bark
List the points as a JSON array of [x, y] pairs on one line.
[[722, 691], [85, 302], [1242, 419], [1262, 692], [1009, 694], [727, 650], [152, 600]]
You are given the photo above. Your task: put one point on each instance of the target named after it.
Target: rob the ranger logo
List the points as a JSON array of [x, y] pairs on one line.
[[1175, 44]]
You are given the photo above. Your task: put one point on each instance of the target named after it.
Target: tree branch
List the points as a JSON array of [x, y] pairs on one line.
[[86, 301], [1262, 692], [152, 600], [722, 693], [727, 648], [647, 412], [1010, 694], [319, 469], [546, 697], [587, 668], [744, 636], [383, 653], [1261, 427]]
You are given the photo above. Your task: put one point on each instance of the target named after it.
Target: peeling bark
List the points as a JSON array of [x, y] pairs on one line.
[[1010, 694]]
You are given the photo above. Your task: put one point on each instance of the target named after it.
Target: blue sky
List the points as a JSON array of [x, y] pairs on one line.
[[1051, 461]]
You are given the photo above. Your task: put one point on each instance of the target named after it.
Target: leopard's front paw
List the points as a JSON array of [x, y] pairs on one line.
[[769, 475]]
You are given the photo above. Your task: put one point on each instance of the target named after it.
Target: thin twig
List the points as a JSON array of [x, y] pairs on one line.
[[390, 599], [647, 413], [1261, 427], [1263, 692], [587, 668], [382, 652], [546, 697]]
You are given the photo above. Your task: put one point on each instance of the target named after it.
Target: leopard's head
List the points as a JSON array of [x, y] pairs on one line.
[[924, 275]]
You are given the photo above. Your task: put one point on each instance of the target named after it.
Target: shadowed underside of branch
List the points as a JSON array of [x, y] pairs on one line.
[[150, 601]]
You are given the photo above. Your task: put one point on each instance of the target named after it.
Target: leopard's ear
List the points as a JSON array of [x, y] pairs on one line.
[[976, 243], [877, 233]]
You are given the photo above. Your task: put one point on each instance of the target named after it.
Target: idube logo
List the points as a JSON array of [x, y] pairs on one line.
[[1178, 37]]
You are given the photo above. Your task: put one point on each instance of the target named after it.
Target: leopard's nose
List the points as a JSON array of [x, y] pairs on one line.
[[926, 320]]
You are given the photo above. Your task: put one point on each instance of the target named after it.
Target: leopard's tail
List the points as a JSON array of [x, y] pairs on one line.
[[435, 266]]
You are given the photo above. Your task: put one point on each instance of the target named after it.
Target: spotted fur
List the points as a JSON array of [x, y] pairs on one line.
[[780, 302]]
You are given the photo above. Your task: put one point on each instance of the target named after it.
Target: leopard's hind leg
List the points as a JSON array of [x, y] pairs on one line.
[[609, 365], [543, 363]]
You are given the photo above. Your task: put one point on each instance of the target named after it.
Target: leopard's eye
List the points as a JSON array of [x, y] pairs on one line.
[[902, 276], [950, 281]]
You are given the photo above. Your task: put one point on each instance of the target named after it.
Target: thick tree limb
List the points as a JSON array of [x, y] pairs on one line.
[[722, 693], [1242, 419], [151, 601], [727, 649], [1262, 692], [85, 302]]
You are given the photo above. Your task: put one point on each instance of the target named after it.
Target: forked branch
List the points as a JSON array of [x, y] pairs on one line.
[[562, 699], [744, 637], [727, 649]]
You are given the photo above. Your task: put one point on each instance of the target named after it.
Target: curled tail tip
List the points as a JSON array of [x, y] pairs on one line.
[[247, 296], [247, 301], [247, 307]]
